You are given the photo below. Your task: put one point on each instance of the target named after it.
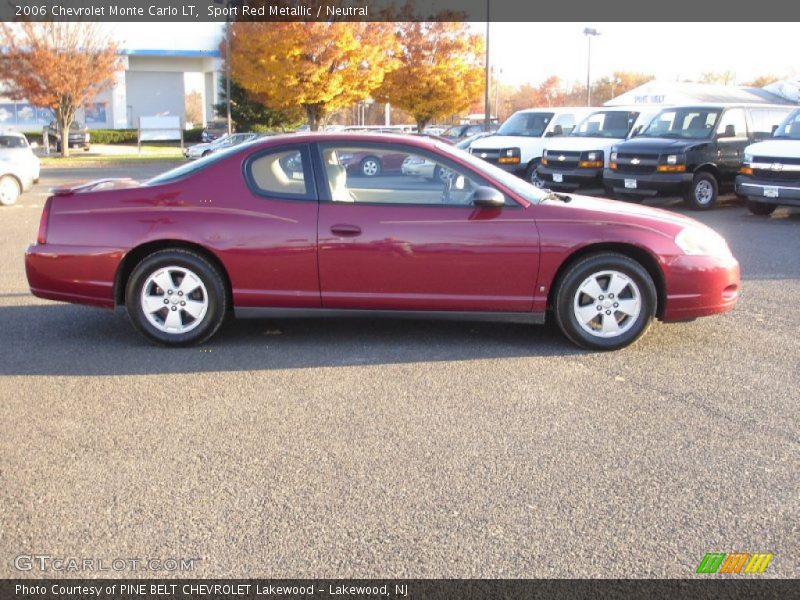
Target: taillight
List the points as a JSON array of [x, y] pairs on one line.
[[41, 238]]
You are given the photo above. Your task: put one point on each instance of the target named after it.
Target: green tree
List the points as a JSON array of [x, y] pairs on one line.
[[250, 113]]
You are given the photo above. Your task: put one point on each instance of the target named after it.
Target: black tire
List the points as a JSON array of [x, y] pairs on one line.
[[568, 294], [761, 209], [702, 194], [208, 274], [532, 177], [370, 166]]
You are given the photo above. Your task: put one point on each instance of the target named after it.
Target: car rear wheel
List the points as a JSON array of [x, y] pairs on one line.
[[176, 297], [370, 167], [761, 208], [605, 302], [9, 190], [702, 194]]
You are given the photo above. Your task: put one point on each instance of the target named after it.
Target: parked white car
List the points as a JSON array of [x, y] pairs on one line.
[[226, 141], [19, 166], [519, 142], [770, 171], [576, 162]]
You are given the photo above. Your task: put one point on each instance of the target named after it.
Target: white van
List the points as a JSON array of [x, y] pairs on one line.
[[770, 171], [518, 144], [576, 161]]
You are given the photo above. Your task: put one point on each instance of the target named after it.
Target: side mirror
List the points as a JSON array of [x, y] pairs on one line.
[[34, 145], [774, 129], [730, 131], [488, 197], [636, 131]]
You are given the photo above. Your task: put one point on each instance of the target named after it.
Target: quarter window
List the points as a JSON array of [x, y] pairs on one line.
[[280, 173]]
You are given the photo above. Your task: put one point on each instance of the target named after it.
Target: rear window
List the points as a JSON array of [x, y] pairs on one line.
[[193, 167]]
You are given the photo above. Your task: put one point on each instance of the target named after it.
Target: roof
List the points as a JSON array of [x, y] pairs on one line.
[[661, 92]]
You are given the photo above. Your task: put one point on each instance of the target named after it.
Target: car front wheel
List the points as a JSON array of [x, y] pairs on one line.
[[605, 302], [9, 190], [176, 297]]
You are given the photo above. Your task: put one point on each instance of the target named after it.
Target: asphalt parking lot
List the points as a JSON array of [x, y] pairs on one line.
[[403, 449]]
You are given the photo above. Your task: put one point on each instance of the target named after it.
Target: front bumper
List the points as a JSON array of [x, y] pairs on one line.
[[84, 275], [571, 179], [757, 190], [699, 286], [647, 184]]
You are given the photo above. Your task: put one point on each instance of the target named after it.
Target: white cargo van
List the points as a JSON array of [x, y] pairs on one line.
[[576, 162], [770, 171], [517, 146]]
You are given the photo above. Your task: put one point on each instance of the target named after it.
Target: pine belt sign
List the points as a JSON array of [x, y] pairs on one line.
[[160, 129]]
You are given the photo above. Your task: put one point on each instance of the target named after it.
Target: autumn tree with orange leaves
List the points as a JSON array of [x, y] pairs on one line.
[[58, 65], [318, 66], [441, 70]]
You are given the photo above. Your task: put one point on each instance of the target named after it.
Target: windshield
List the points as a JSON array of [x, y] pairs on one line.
[[790, 128], [527, 124], [683, 123], [511, 181], [12, 141], [193, 167], [606, 124]]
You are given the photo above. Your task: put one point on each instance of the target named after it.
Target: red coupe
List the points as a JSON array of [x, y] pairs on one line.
[[277, 228]]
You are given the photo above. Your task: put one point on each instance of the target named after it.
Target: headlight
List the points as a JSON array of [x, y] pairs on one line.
[[747, 159], [672, 163], [591, 160], [613, 156], [701, 241], [509, 156], [672, 159]]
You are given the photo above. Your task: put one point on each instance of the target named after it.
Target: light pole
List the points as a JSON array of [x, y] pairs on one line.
[[486, 107], [228, 73], [589, 33]]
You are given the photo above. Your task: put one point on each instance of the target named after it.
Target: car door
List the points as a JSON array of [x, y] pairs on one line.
[[731, 135], [400, 242]]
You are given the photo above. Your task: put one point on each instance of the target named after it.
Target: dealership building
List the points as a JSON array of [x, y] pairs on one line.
[[159, 70]]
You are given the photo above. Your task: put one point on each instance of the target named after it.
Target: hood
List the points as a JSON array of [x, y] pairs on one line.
[[498, 142], [775, 149], [579, 143], [652, 144], [97, 185], [644, 216]]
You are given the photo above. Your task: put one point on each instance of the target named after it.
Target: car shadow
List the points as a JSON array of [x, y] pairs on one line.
[[75, 340]]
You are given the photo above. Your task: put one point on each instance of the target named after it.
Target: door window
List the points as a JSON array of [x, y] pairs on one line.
[[393, 174], [732, 124]]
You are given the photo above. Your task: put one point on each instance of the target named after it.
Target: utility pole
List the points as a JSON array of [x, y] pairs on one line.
[[486, 106], [589, 33]]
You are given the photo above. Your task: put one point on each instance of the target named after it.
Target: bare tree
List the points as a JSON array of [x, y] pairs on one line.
[[58, 65]]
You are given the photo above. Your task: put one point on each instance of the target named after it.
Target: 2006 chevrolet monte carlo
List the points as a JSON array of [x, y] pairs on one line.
[[276, 228]]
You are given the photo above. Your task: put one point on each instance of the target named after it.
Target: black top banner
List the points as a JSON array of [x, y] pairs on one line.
[[399, 10], [399, 589]]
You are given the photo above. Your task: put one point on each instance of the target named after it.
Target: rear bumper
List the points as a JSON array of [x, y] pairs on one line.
[[571, 179], [648, 184], [699, 286], [84, 275], [787, 193]]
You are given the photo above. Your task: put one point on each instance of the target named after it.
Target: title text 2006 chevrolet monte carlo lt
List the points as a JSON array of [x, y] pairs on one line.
[[279, 228]]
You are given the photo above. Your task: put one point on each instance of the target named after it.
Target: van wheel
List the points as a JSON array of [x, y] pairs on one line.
[[532, 177], [702, 194], [761, 208], [10, 190]]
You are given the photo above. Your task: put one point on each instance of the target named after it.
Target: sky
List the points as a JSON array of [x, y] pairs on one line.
[[530, 52]]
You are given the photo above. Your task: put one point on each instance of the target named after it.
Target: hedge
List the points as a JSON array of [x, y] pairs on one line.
[[119, 136]]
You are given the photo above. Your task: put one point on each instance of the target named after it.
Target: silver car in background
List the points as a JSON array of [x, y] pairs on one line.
[[226, 141], [19, 166]]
